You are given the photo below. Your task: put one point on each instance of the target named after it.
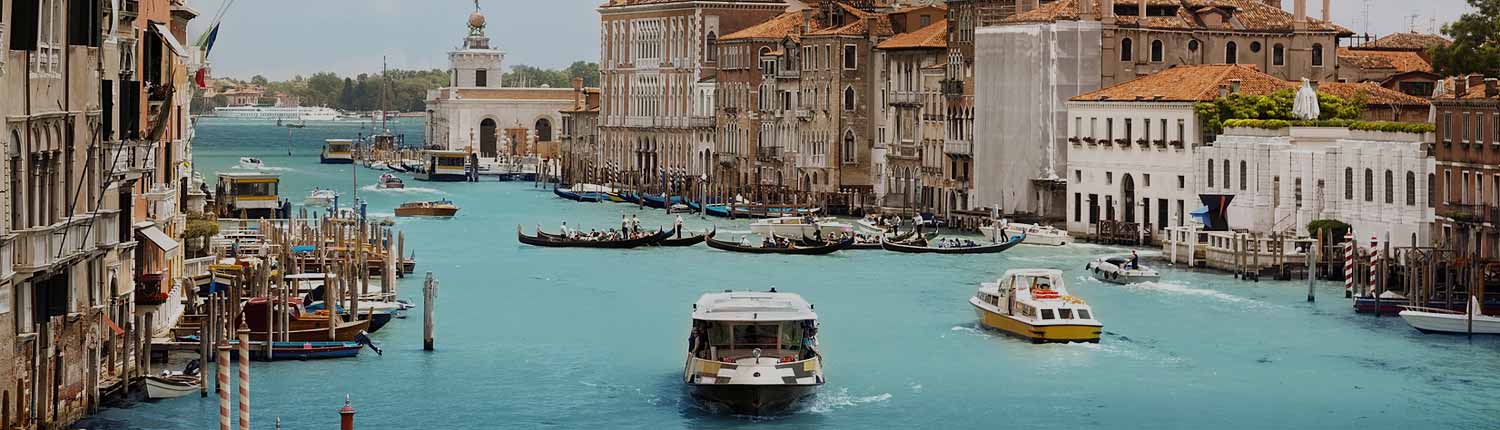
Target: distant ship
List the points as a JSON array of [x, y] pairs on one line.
[[278, 113]]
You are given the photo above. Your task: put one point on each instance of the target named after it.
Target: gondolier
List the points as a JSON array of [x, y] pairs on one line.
[[677, 226]]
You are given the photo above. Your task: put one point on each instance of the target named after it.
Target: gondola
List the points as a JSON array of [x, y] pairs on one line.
[[554, 241], [685, 241], [807, 250], [577, 197], [981, 249], [660, 201], [902, 238]]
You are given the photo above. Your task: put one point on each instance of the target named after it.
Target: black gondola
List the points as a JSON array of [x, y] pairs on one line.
[[555, 241], [902, 238], [685, 241], [981, 249], [803, 250]]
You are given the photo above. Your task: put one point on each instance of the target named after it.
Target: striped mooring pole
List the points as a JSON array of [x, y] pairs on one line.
[[223, 374], [244, 351], [1374, 261], [1349, 246]]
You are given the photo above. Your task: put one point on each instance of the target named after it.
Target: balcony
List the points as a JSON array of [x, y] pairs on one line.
[[39, 248], [1472, 213], [768, 154], [953, 87], [130, 157], [727, 158], [149, 289], [162, 202], [7, 256], [700, 122], [107, 228], [803, 114], [814, 161], [639, 121], [906, 98], [904, 150], [962, 148]]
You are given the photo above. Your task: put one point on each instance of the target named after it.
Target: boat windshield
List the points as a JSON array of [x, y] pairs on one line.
[[717, 340], [338, 147], [249, 189], [450, 161]]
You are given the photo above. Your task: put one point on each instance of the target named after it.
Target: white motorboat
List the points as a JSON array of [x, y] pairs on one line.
[[321, 197], [389, 181], [1035, 234], [167, 387], [1119, 270], [1432, 320], [753, 353], [252, 163], [797, 227]]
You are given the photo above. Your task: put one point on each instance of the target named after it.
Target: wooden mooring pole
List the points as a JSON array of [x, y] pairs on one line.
[[429, 294]]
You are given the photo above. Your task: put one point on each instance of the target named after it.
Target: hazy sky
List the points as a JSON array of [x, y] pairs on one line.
[[282, 38]]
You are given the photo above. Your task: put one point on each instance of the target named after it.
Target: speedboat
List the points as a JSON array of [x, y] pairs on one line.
[[800, 227], [753, 353], [439, 208], [1118, 270], [252, 163], [321, 197], [1035, 305], [1434, 320], [389, 181], [1035, 234], [167, 387]]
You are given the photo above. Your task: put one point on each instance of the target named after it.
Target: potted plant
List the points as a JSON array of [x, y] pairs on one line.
[[1176, 144], [1074, 140], [1160, 143], [1142, 141], [1090, 140]]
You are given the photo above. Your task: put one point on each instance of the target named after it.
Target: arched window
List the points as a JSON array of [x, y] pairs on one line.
[[1278, 55], [1157, 51], [1369, 185], [711, 46], [1231, 53], [848, 146], [1226, 173], [849, 98], [1127, 48], [1317, 54], [1242, 175], [543, 130], [1348, 183], [1411, 188], [1390, 187], [1210, 173]]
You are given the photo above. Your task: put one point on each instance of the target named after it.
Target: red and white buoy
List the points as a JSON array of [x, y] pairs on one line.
[[346, 415], [1349, 246]]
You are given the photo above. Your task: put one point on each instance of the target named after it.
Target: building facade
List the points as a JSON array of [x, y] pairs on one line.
[[915, 172], [581, 156], [1468, 166]]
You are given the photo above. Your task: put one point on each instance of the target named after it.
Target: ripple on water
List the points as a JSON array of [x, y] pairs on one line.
[[827, 402], [1180, 289], [408, 190]]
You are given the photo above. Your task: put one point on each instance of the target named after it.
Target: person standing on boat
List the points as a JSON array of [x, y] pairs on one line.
[[624, 222], [565, 231], [635, 225], [1135, 260], [677, 226]]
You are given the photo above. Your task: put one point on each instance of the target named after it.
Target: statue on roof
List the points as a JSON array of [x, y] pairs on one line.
[[476, 21]]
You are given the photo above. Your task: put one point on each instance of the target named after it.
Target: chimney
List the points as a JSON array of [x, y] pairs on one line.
[[1107, 10], [1234, 85], [1087, 11], [1141, 13], [578, 92], [1299, 10], [1460, 87], [1475, 80], [807, 17], [1491, 87], [1327, 11], [1223, 91]]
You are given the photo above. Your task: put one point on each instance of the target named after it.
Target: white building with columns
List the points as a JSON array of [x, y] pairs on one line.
[[479, 115]]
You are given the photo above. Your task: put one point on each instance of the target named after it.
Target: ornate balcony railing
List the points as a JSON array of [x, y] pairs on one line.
[[958, 147]]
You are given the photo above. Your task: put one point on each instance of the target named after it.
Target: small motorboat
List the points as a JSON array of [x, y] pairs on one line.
[[439, 208], [167, 387], [753, 353], [1119, 270], [1035, 234], [252, 163], [306, 350], [321, 197], [791, 248], [389, 181], [1389, 302], [1434, 320], [958, 248], [1035, 305]]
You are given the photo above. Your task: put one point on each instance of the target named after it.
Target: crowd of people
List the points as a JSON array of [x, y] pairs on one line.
[[630, 228]]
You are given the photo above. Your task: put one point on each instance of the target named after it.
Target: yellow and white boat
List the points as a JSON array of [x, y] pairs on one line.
[[1034, 304]]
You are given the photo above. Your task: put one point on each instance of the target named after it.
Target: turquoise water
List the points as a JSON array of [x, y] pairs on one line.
[[559, 338]]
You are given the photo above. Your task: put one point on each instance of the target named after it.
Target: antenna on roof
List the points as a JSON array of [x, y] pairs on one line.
[[1411, 22]]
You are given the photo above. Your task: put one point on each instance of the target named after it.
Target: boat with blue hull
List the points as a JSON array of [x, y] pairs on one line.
[[577, 197], [661, 202]]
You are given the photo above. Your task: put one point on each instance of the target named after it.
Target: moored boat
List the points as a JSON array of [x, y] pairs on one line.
[[439, 208], [544, 239], [1035, 234], [753, 353], [302, 326], [675, 241], [569, 194], [1389, 302], [1120, 270], [800, 226], [1435, 320], [167, 387], [957, 248], [1035, 305]]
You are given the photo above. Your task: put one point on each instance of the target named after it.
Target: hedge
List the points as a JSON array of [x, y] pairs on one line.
[[1382, 126]]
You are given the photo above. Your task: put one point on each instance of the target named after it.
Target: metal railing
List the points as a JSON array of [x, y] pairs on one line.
[[904, 150], [769, 153]]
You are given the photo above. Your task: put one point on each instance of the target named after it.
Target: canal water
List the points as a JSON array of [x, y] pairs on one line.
[[559, 338]]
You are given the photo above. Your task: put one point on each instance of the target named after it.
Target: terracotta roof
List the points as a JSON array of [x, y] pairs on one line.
[[1373, 94], [919, 7], [1475, 92], [1189, 84], [1401, 61], [1247, 15], [1409, 41], [623, 3], [934, 36], [776, 28], [881, 24]]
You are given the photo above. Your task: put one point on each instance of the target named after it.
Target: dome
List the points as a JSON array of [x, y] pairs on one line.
[[476, 20]]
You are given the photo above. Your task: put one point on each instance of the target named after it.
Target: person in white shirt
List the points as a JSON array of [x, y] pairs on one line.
[[678, 226]]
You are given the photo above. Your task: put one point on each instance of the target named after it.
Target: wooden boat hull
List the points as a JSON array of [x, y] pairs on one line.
[[577, 197], [306, 351], [551, 241], [982, 249], [1060, 333], [343, 333], [163, 388], [754, 400], [426, 212], [811, 250]]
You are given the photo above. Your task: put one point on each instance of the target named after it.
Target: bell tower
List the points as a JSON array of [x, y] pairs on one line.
[[476, 64]]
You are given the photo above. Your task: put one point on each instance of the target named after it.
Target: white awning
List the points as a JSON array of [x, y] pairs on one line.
[[159, 238], [166, 35]]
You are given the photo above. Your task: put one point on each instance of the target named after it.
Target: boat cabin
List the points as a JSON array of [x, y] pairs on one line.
[[249, 195], [338, 151], [1036, 295], [444, 166], [753, 328]]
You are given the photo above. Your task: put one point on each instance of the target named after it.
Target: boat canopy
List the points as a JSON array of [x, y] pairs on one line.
[[752, 306]]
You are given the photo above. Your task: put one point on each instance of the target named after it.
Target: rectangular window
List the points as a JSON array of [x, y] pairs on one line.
[[481, 78], [1065, 313], [1093, 125], [1077, 207], [1047, 314], [1181, 182], [1109, 129], [1447, 127], [1128, 130], [1077, 176], [83, 22], [1146, 130], [1147, 179], [850, 57], [1109, 178], [1464, 137], [1083, 314]]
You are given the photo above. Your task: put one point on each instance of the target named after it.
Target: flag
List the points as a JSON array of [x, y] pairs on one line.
[[201, 78], [207, 42]]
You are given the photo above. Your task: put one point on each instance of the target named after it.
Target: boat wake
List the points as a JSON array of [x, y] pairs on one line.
[[408, 190], [1186, 290], [826, 402], [970, 330], [265, 168]]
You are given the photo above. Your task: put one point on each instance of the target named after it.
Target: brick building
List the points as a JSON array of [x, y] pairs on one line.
[[1468, 166], [915, 172], [1398, 61]]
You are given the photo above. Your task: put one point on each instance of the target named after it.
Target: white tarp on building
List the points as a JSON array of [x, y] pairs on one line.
[[1024, 75]]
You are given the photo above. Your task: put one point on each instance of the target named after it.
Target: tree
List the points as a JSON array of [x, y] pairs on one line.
[[589, 71], [323, 89], [1476, 42], [259, 80], [346, 95], [1277, 105]]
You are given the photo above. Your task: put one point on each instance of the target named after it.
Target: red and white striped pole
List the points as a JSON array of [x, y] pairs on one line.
[[1374, 260], [1349, 246], [244, 350], [223, 375]]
